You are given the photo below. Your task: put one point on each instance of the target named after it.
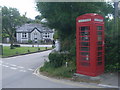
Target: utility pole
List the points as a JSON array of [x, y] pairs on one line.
[[116, 9], [116, 2], [116, 17]]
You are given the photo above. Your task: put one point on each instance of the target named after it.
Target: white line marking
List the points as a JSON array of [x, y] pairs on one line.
[[12, 64], [20, 67], [22, 70], [107, 86], [13, 68], [5, 66], [31, 69]]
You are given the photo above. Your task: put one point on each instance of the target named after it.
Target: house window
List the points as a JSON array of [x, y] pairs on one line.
[[35, 33], [24, 35]]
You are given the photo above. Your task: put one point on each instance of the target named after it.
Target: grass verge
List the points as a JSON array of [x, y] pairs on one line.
[[64, 73], [20, 50], [60, 72]]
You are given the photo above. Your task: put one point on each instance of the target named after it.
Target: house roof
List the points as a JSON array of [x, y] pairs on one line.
[[30, 27]]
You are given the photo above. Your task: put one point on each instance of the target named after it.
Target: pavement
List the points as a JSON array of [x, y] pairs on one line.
[[21, 72]]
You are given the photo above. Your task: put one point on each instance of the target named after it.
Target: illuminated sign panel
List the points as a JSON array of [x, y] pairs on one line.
[[84, 20], [99, 20]]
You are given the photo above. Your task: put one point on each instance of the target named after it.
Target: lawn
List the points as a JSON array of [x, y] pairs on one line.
[[20, 50]]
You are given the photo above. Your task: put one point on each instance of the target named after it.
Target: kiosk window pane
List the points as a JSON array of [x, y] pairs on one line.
[[86, 28], [99, 37], [85, 53], [99, 58], [99, 27], [84, 43], [85, 38], [99, 53], [99, 33], [99, 63], [99, 48], [84, 48], [99, 43], [85, 64], [85, 58], [84, 33]]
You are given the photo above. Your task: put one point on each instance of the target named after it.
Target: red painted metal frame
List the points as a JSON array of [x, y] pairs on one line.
[[93, 69]]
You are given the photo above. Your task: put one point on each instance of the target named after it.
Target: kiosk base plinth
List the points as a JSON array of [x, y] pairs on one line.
[[86, 77]]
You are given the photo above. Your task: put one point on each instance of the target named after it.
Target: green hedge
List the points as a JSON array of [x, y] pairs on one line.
[[56, 59]]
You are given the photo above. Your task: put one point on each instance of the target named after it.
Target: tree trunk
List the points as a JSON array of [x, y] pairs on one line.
[[1, 50], [11, 43]]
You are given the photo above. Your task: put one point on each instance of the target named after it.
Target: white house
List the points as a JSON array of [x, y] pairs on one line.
[[34, 33]]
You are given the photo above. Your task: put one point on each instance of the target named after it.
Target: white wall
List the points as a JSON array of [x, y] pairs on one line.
[[50, 36], [20, 39], [38, 36], [18, 35], [24, 40]]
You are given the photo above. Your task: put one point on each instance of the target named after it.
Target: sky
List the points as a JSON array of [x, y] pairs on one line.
[[23, 6]]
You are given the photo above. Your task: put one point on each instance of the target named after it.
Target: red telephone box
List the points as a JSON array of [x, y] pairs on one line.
[[90, 44]]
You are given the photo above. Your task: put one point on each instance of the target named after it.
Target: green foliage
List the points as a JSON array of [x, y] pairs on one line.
[[62, 16], [61, 72], [20, 50], [56, 36], [56, 59], [38, 17], [112, 49], [29, 41], [16, 45], [11, 19]]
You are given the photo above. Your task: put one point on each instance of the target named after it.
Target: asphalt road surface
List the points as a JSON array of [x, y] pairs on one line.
[[18, 72]]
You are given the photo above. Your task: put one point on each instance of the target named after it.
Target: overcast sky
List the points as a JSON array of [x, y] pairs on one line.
[[23, 6]]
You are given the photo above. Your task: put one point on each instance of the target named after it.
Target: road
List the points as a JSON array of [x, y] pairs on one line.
[[29, 45], [18, 72]]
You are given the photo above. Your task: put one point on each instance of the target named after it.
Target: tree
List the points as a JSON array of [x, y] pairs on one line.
[[10, 20], [62, 16]]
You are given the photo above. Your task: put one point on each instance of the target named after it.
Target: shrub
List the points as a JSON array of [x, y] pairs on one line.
[[57, 59], [59, 72], [112, 55], [38, 49], [16, 45], [29, 41]]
